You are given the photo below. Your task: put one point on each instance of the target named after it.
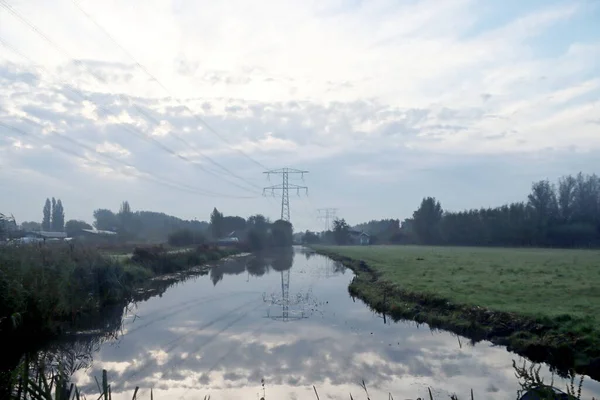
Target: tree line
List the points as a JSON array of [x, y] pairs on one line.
[[146, 226], [561, 214], [53, 220], [143, 226], [258, 232], [564, 214]]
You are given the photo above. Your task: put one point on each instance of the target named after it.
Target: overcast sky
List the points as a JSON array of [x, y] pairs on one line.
[[383, 101]]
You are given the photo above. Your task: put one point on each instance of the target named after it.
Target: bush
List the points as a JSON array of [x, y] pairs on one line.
[[186, 237], [161, 261], [42, 286]]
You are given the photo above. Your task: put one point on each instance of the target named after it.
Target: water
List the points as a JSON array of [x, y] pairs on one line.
[[223, 333]]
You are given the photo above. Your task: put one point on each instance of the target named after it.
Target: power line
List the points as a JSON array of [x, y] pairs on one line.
[[285, 188], [327, 214], [128, 100], [136, 132], [153, 77], [309, 209], [145, 175]]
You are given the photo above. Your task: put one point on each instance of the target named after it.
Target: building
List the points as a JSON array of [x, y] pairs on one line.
[[98, 232], [359, 238], [96, 236], [51, 235], [229, 240]]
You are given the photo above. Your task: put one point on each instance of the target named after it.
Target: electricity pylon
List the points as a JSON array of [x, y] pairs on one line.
[[285, 188], [328, 214], [298, 304]]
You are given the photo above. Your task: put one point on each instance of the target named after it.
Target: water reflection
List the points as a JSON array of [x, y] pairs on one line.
[[215, 335]]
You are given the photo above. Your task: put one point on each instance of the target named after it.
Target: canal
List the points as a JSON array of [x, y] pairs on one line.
[[274, 326]]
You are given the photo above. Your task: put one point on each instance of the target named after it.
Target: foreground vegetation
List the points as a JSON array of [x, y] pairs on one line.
[[39, 380], [45, 288], [542, 303]]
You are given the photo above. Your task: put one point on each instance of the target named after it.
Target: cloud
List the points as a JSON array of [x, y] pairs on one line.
[[113, 148], [369, 91]]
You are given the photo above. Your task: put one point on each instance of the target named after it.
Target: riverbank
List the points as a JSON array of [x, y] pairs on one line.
[[541, 303], [46, 289]]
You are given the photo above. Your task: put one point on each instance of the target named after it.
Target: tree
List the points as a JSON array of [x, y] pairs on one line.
[[426, 220], [105, 220], [233, 223], [216, 224], [73, 227], [125, 208], [125, 216], [385, 231], [328, 237], [52, 213], [341, 232], [155, 227], [257, 228], [282, 234], [186, 237], [587, 199], [310, 238], [566, 198], [47, 220], [127, 223], [31, 226], [7, 225], [58, 217], [544, 205]]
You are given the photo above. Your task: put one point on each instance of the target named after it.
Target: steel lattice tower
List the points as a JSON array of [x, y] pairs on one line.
[[285, 188], [329, 214]]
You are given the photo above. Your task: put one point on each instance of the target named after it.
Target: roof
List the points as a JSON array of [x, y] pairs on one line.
[[98, 232], [229, 236], [52, 235], [228, 239], [358, 233]]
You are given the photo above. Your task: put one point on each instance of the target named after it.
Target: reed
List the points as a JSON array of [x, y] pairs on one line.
[[44, 289], [35, 381]]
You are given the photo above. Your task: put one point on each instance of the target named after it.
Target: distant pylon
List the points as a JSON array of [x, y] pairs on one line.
[[285, 188], [328, 214]]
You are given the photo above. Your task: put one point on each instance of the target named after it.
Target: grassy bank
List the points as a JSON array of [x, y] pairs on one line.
[[543, 303], [44, 289]]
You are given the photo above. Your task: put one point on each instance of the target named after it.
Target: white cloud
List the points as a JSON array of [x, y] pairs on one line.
[[362, 87], [113, 148]]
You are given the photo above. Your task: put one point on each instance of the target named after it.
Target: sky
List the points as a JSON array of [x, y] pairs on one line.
[[181, 106]]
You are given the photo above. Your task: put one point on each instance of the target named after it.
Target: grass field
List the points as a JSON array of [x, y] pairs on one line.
[[534, 282], [542, 297]]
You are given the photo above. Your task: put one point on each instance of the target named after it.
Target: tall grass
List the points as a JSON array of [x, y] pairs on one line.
[[46, 288], [35, 380], [43, 286]]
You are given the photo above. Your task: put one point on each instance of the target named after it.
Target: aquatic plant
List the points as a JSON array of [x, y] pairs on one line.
[[34, 381]]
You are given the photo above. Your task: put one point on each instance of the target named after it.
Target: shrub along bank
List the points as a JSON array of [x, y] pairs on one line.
[[45, 288], [540, 303]]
